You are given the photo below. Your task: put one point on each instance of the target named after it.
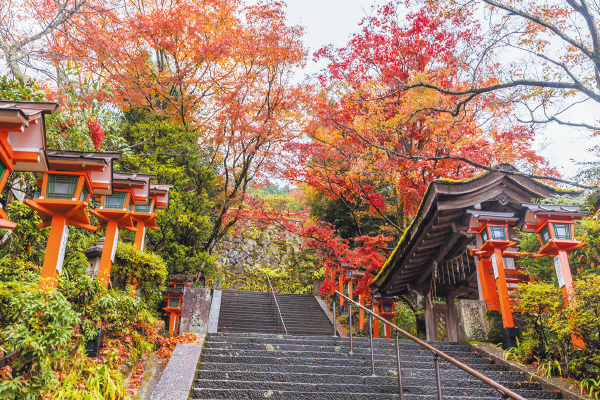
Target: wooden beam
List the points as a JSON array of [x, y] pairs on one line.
[[440, 255], [470, 200]]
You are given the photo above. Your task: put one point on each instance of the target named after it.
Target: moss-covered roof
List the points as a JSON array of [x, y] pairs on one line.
[[427, 203]]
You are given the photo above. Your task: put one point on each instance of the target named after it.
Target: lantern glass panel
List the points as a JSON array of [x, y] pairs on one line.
[[2, 168], [142, 209], [498, 232], [387, 307], [562, 231], [484, 236], [350, 274], [173, 302], [116, 201], [179, 285], [545, 234], [61, 186], [84, 193]]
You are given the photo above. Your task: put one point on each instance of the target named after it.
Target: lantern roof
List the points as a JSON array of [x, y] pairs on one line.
[[535, 212], [479, 216], [25, 140], [137, 182], [98, 165], [161, 192]]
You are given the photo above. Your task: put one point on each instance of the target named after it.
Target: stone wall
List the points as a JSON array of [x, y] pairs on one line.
[[244, 258]]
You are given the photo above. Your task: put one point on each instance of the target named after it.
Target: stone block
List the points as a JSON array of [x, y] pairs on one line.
[[473, 325], [195, 309]]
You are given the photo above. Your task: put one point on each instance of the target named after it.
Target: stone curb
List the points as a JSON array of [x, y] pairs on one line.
[[493, 352], [330, 316], [177, 379], [215, 309]]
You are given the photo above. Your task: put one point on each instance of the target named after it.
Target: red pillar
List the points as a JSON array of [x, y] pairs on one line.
[[376, 322], [361, 315], [507, 317], [139, 235], [55, 252], [341, 288], [488, 284], [109, 247], [566, 283]]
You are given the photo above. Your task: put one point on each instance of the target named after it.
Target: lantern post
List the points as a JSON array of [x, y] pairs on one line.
[[144, 214], [66, 187], [115, 212], [492, 230], [174, 297], [22, 141], [387, 312], [555, 227]]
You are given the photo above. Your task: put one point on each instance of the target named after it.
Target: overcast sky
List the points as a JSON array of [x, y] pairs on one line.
[[333, 21]]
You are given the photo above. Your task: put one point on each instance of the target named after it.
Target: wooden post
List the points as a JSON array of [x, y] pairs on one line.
[[565, 281], [376, 322], [140, 235], [55, 252], [341, 288], [451, 319], [430, 331], [388, 332], [350, 290], [172, 323], [507, 317], [108, 251], [488, 284], [361, 315]]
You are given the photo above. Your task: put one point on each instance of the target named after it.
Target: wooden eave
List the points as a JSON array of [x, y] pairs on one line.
[[439, 230]]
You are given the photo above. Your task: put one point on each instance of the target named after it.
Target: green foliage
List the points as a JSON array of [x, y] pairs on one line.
[[27, 241], [43, 329], [405, 318], [172, 152], [13, 89], [536, 267], [147, 268]]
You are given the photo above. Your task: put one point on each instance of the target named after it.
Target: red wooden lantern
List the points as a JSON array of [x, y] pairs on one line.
[[492, 229], [115, 212], [554, 226], [22, 141], [174, 298], [71, 179], [144, 213]]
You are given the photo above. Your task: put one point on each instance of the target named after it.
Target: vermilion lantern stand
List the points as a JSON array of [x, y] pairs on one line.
[[71, 179], [115, 212], [492, 228], [22, 141], [554, 226], [387, 312], [376, 309], [145, 214], [174, 300]]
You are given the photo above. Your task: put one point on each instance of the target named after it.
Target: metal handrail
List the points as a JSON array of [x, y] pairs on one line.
[[277, 305], [505, 392]]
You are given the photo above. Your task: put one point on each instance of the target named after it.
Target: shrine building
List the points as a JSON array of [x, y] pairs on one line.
[[461, 245]]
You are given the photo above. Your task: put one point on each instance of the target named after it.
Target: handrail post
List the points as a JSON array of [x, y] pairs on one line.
[[371, 339], [399, 367], [438, 382], [334, 333], [350, 326]]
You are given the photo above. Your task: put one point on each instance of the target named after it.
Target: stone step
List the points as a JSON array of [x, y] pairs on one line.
[[388, 370], [345, 348], [342, 389], [249, 394], [271, 352], [468, 382], [478, 364]]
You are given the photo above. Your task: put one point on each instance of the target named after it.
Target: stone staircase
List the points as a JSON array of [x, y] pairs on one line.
[[259, 366], [250, 358], [243, 311]]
